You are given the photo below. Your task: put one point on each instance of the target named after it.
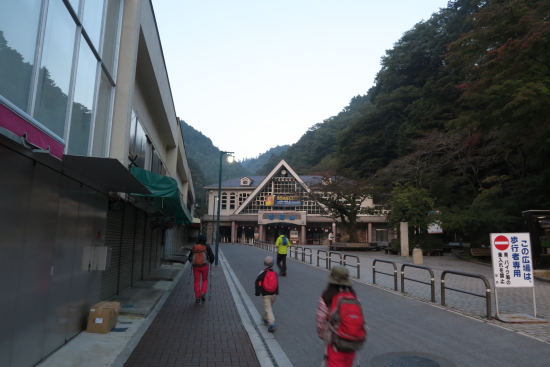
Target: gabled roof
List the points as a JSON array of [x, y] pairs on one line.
[[268, 178], [236, 182]]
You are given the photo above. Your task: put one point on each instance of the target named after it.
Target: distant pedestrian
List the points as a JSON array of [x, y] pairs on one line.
[[282, 245], [340, 321], [330, 239], [267, 285], [200, 256]]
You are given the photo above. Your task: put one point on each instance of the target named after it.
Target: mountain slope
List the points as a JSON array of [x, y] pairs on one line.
[[254, 164]]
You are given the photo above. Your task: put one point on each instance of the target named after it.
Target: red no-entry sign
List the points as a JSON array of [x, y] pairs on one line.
[[502, 243]]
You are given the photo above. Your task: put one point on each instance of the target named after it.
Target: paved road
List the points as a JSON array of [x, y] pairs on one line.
[[398, 323], [511, 301]]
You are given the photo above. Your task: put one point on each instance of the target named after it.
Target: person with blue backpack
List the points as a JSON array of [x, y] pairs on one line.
[[267, 286], [282, 244]]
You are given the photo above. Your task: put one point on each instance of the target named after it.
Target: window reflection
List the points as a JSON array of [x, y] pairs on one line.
[[138, 143], [93, 14], [75, 4], [81, 116], [111, 35], [18, 32], [55, 68], [101, 127]]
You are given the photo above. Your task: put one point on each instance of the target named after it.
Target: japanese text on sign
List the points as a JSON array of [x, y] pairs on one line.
[[511, 255]]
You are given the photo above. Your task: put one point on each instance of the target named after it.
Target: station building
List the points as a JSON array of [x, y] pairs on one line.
[[258, 207], [95, 186]]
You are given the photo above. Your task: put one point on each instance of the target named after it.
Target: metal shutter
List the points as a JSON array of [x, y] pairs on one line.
[[137, 260], [147, 246], [113, 234], [127, 248]]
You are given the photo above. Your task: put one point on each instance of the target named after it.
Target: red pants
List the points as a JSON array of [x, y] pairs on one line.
[[198, 273], [339, 359]]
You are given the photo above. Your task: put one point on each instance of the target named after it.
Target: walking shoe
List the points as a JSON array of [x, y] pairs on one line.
[[203, 297], [197, 300], [265, 321], [271, 328]]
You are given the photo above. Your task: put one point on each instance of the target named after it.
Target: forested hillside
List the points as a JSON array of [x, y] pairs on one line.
[[254, 164], [316, 149], [204, 161], [459, 116]]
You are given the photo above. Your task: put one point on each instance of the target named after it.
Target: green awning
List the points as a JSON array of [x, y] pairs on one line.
[[166, 198]]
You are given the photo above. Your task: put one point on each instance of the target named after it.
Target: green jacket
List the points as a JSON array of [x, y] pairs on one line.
[[282, 249]]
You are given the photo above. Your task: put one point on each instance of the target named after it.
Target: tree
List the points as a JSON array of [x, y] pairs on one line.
[[417, 204], [342, 197]]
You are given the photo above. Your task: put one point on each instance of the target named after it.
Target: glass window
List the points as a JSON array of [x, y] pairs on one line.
[[55, 68], [156, 162], [75, 4], [83, 101], [92, 20], [111, 35], [18, 31], [102, 118], [138, 143]]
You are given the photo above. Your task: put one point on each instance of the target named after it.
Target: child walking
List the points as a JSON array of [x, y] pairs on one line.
[[267, 286]]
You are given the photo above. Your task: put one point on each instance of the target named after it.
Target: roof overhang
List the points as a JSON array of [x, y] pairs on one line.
[[106, 174]]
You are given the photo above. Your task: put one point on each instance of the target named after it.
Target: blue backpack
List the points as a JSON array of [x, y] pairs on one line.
[[284, 241]]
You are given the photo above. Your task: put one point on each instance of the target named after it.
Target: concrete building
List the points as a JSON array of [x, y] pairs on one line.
[[95, 186], [257, 207]]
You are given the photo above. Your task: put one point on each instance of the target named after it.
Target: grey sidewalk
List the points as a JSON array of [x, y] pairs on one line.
[[398, 323]]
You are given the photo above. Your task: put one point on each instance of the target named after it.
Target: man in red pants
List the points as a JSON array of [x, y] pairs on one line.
[[200, 256]]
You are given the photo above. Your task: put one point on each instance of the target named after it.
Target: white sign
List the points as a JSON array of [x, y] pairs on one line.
[[512, 261], [435, 228]]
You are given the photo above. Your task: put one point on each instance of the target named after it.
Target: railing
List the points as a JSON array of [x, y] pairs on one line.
[[330, 261], [374, 271], [357, 266], [324, 258], [432, 278], [487, 295], [343, 261], [296, 248], [310, 255]]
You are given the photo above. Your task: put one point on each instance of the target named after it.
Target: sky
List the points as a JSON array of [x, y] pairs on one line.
[[251, 75]]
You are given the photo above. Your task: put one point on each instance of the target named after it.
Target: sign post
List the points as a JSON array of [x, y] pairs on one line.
[[512, 268]]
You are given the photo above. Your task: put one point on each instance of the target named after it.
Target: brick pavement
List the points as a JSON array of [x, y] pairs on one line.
[[188, 334]]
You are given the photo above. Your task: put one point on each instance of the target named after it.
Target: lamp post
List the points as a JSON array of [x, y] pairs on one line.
[[229, 159], [213, 211]]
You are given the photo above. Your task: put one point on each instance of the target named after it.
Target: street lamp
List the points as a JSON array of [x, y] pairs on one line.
[[230, 160], [213, 211]]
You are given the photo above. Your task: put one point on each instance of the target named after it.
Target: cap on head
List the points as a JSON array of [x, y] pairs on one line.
[[281, 233], [339, 275], [202, 238], [268, 261]]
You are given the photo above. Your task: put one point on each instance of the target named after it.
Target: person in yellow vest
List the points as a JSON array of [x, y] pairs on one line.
[[282, 245]]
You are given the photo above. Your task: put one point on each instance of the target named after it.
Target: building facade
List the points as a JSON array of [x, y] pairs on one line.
[[88, 134], [258, 207]]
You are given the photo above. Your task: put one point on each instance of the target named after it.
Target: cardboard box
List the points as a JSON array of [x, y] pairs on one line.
[[103, 317]]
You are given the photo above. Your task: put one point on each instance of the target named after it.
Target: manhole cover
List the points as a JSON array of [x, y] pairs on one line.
[[412, 361]]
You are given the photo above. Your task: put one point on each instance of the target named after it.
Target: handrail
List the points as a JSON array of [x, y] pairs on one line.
[[325, 258], [354, 266], [310, 255], [432, 278], [487, 295], [374, 271], [332, 261], [296, 251]]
